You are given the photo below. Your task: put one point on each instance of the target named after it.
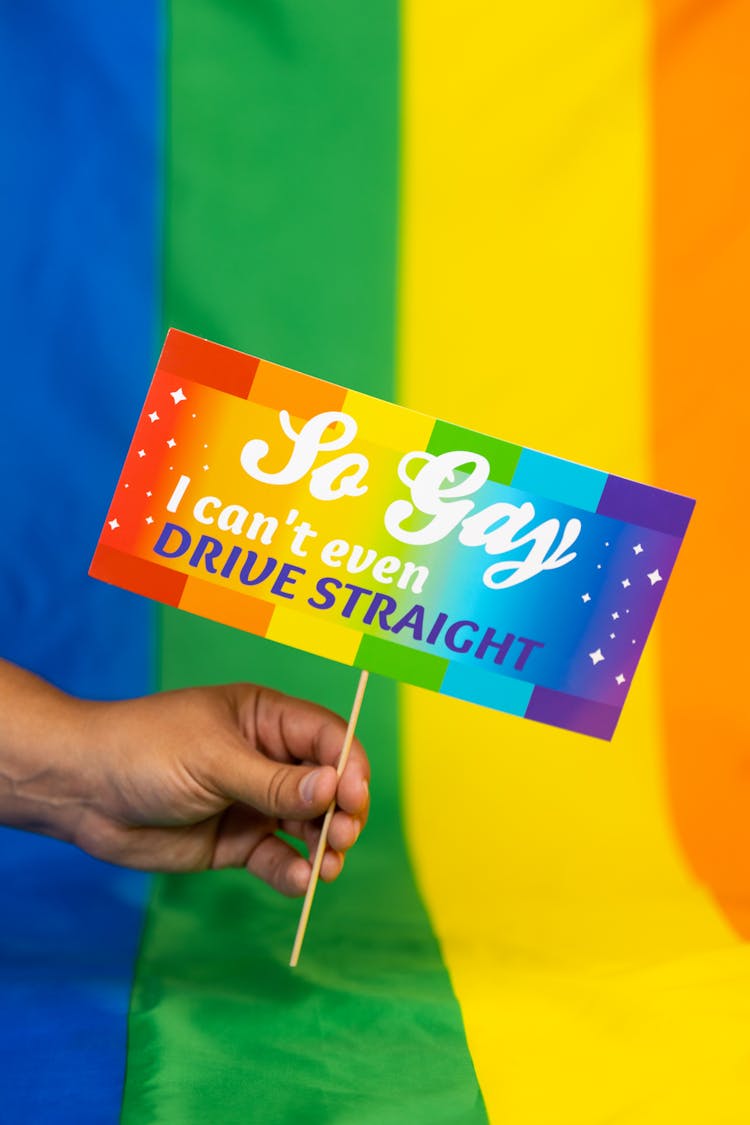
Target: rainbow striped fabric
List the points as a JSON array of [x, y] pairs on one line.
[[534, 222]]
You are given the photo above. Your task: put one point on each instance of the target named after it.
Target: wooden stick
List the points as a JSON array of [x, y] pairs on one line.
[[312, 885]]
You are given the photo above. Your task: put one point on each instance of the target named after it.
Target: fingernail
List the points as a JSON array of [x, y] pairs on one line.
[[307, 786]]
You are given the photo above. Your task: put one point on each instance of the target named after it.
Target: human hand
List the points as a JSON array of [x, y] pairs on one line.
[[200, 778]]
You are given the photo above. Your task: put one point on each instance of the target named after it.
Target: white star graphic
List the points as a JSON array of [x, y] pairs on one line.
[[141, 452], [178, 395], [607, 543], [625, 583], [149, 494], [126, 486], [620, 679], [654, 577], [633, 641], [598, 566], [612, 636], [171, 443], [205, 467], [596, 657], [615, 616], [638, 549], [154, 417], [149, 519], [114, 524], [585, 597]]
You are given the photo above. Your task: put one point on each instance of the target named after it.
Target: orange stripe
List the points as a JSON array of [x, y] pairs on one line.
[[701, 358], [303, 396], [227, 606]]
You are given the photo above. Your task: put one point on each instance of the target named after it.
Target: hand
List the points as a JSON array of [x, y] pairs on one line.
[[193, 779]]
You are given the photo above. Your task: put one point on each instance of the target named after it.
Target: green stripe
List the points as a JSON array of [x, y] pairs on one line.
[[281, 221], [401, 663], [502, 455]]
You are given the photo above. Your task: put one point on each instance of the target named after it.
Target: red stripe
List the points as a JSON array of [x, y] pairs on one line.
[[191, 357], [138, 575]]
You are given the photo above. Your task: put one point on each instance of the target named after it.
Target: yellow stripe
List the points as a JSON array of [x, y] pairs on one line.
[[546, 859], [313, 635]]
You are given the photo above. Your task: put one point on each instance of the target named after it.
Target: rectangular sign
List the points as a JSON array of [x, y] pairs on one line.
[[385, 539]]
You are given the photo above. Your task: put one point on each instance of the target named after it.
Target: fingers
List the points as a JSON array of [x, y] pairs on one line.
[[275, 789], [245, 840], [279, 865], [291, 873], [283, 767], [343, 833], [287, 729]]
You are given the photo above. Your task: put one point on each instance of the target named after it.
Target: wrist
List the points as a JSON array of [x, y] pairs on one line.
[[44, 785]]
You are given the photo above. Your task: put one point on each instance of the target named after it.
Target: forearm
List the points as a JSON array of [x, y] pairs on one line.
[[42, 784], [180, 781]]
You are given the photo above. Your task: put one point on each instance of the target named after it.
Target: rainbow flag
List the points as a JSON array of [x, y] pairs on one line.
[[534, 222]]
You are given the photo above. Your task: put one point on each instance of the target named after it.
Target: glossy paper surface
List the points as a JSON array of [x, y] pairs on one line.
[[373, 535]]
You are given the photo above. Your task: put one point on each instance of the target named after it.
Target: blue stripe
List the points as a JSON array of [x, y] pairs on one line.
[[486, 688], [556, 479], [79, 292]]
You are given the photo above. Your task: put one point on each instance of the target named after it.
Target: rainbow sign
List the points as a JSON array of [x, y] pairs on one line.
[[386, 539]]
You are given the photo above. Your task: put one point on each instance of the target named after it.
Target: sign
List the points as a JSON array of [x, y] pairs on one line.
[[385, 539]]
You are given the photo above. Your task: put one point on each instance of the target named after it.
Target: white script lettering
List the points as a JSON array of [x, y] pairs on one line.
[[438, 490], [349, 469]]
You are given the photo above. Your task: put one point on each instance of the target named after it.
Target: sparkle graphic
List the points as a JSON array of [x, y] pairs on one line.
[[171, 443], [620, 679], [596, 657], [178, 396], [615, 616], [625, 583], [126, 486], [149, 519], [638, 549], [585, 597], [149, 494], [153, 417], [607, 543], [654, 577], [205, 446], [633, 641], [612, 636], [205, 468], [141, 452], [193, 415], [598, 566], [114, 524]]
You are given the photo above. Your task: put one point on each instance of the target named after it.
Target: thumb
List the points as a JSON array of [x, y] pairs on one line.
[[275, 788]]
